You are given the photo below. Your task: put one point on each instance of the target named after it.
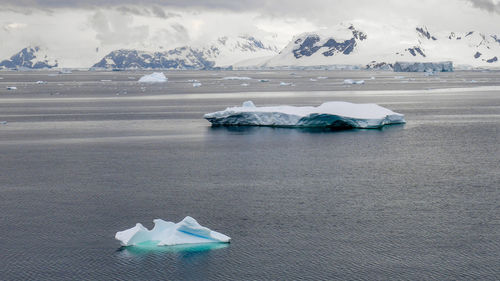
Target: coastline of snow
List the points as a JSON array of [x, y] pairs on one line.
[[166, 233], [334, 114], [155, 77]]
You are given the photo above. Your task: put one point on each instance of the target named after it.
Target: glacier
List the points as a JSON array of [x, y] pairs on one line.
[[155, 77], [166, 233], [334, 114], [445, 66]]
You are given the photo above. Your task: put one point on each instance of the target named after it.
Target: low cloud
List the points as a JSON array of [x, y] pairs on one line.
[[487, 5], [117, 29]]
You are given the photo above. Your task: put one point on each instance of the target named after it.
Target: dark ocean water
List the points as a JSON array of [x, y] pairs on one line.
[[413, 201]]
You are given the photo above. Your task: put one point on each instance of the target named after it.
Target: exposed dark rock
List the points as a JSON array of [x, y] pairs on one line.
[[425, 33], [309, 45], [413, 51], [492, 60]]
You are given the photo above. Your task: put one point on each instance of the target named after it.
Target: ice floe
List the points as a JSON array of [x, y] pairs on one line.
[[10, 88], [334, 114], [236, 78], [351, 82], [155, 77], [166, 233], [196, 84]]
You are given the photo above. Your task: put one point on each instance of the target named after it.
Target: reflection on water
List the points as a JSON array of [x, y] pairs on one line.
[[247, 130], [154, 249]]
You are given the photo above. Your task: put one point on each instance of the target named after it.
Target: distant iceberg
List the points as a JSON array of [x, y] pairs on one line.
[[236, 78], [166, 233], [155, 77], [351, 82], [329, 115]]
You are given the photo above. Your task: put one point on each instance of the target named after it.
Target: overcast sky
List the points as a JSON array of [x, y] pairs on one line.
[[84, 26]]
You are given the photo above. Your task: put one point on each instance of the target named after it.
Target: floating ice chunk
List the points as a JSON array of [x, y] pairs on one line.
[[41, 82], [264, 80], [322, 77], [3, 122], [313, 80], [155, 77], [11, 88], [399, 77], [236, 78], [65, 71], [285, 84], [248, 103], [196, 84], [166, 233], [244, 84], [430, 72], [330, 114], [350, 82]]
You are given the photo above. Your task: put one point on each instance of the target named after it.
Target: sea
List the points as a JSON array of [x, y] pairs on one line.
[[87, 154]]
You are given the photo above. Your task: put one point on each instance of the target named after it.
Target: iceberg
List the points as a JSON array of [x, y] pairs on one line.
[[155, 77], [11, 88], [335, 114], [351, 82], [166, 233], [236, 78], [196, 84]]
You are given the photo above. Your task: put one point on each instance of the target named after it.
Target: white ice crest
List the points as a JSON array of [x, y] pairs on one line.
[[166, 233]]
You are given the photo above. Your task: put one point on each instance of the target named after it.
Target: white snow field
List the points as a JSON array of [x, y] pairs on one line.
[[155, 77], [166, 233], [335, 114], [351, 82]]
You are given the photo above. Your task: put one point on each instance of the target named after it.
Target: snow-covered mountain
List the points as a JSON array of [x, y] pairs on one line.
[[349, 45], [222, 53], [345, 46], [29, 58]]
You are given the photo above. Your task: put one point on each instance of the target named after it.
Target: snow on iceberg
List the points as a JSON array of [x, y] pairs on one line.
[[334, 114], [236, 78], [166, 233], [155, 77]]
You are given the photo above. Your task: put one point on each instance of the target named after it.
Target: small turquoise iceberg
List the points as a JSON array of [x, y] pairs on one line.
[[166, 233]]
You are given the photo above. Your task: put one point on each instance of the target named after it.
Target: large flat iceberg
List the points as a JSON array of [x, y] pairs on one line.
[[166, 233], [334, 114]]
